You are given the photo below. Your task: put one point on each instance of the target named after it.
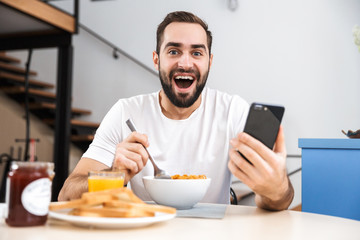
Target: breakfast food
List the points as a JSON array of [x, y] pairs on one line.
[[119, 202], [185, 176]]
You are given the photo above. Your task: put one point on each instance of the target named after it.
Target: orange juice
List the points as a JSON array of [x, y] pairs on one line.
[[102, 180]]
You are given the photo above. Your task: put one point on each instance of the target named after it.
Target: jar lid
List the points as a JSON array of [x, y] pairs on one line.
[[17, 164]]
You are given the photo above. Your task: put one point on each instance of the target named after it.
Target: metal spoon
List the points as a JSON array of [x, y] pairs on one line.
[[158, 173]]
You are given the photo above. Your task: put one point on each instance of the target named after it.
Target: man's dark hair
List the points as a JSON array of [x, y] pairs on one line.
[[180, 16]]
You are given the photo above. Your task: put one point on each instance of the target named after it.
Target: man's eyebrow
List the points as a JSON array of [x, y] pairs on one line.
[[198, 46], [172, 44], [175, 44]]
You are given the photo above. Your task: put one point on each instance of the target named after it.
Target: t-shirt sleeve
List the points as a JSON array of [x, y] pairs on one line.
[[107, 136], [239, 110]]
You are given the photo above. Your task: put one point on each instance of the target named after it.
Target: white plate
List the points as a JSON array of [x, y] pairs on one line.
[[119, 223]]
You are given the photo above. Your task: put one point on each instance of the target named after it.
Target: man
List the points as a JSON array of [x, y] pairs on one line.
[[187, 128]]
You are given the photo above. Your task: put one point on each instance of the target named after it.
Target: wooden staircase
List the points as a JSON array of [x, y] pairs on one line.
[[42, 102], [34, 24]]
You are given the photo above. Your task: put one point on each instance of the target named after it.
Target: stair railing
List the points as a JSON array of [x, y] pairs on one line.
[[116, 49]]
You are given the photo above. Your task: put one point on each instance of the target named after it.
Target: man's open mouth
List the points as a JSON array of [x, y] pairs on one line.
[[184, 81]]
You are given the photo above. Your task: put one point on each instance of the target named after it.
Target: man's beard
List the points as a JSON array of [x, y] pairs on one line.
[[182, 100]]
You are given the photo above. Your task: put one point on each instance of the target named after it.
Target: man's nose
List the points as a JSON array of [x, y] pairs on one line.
[[185, 61]]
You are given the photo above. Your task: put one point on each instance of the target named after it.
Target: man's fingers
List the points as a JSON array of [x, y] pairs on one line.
[[240, 162], [131, 155], [136, 137], [137, 152], [248, 152], [256, 148], [235, 168], [133, 148], [124, 162], [280, 146]]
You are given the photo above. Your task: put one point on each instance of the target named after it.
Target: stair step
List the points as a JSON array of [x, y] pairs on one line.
[[78, 127], [19, 70], [34, 92], [82, 138], [74, 122], [77, 122], [18, 79], [8, 59], [46, 110], [52, 106], [82, 141]]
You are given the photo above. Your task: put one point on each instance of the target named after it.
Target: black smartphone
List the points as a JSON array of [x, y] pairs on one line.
[[263, 122]]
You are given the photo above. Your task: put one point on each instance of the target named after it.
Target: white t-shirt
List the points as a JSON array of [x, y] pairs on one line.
[[196, 145]]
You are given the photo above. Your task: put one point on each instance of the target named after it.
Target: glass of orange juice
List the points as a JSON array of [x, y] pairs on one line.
[[102, 180]]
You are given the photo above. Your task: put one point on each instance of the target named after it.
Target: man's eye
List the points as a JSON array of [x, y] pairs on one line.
[[197, 54], [173, 52]]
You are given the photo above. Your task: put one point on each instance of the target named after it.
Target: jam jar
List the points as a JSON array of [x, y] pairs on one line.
[[28, 193]]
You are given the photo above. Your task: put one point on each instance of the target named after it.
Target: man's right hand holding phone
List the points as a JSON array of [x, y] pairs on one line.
[[266, 174]]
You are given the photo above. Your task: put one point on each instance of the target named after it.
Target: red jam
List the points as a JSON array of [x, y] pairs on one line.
[[28, 193]]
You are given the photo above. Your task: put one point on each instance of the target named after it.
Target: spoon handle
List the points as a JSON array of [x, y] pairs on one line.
[[130, 125]]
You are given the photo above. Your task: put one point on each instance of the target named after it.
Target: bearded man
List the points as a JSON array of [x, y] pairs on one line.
[[187, 127]]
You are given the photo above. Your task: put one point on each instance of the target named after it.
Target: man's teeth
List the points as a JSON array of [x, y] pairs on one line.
[[184, 78]]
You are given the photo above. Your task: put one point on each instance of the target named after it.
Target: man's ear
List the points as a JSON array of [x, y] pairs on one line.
[[210, 62], [156, 60]]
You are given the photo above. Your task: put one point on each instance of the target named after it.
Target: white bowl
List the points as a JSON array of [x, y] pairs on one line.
[[177, 193]]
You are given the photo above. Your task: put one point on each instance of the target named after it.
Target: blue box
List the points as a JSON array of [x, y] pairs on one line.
[[331, 177]]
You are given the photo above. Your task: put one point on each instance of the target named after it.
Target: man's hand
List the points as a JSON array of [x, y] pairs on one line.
[[266, 176], [130, 155]]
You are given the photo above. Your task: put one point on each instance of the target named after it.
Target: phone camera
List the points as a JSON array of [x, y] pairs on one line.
[[258, 107]]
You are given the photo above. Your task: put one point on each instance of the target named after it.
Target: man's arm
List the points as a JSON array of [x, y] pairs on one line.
[[266, 174], [76, 183], [130, 156]]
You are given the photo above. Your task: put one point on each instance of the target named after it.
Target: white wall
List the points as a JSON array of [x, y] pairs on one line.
[[297, 53]]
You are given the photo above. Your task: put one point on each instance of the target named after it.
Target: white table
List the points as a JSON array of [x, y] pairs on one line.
[[240, 222]]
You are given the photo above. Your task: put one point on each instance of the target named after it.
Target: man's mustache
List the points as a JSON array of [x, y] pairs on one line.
[[181, 70]]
